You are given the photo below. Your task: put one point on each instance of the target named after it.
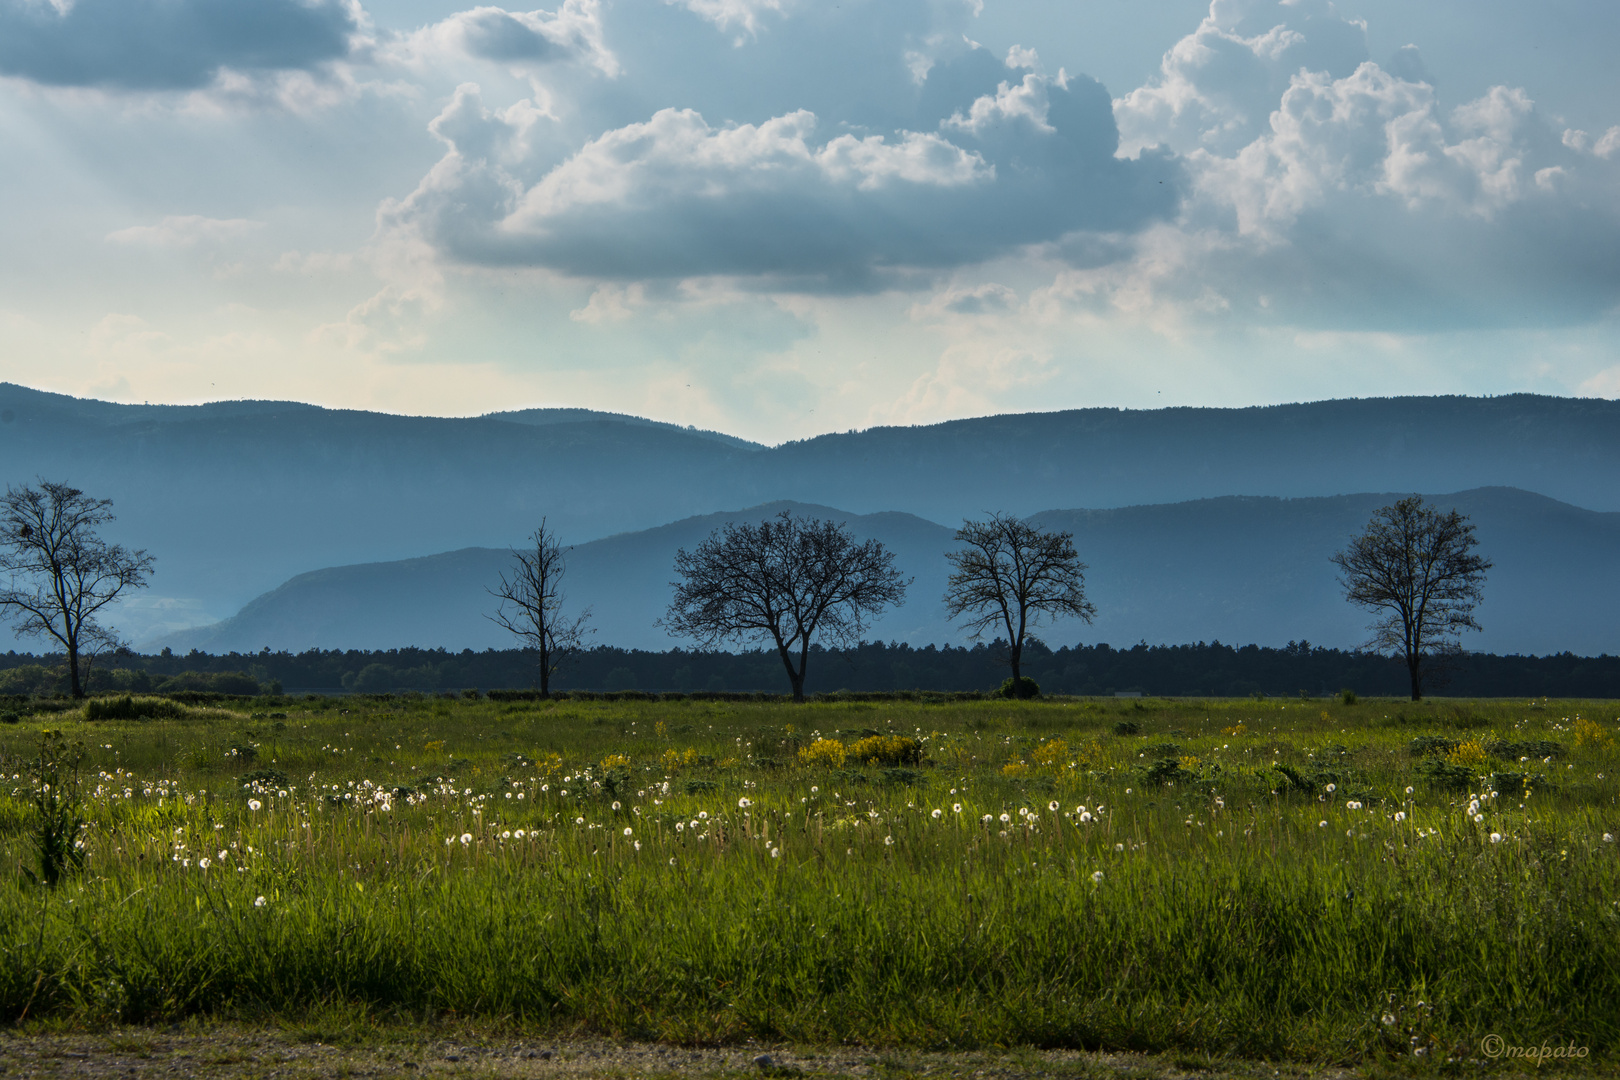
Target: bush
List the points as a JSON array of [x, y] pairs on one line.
[[1348, 696], [1444, 774], [10, 717], [1166, 771], [829, 753], [1127, 727], [887, 750], [213, 682], [266, 778], [130, 707], [902, 777], [1534, 748], [1022, 688], [1432, 744]]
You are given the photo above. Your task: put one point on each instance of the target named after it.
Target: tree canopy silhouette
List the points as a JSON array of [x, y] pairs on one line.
[[531, 602], [1416, 566], [788, 580], [60, 574], [1010, 575]]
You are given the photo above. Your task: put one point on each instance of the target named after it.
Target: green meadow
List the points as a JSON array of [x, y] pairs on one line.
[[1309, 880]]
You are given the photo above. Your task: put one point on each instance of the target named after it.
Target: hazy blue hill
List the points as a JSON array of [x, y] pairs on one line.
[[1565, 448], [442, 600], [235, 498], [543, 417], [1234, 569]]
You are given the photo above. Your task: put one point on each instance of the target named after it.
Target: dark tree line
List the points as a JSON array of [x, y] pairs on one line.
[[1202, 669]]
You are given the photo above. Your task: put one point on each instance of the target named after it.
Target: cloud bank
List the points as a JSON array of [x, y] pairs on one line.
[[996, 157], [165, 45]]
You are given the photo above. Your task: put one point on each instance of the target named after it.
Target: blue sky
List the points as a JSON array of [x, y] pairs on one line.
[[783, 217]]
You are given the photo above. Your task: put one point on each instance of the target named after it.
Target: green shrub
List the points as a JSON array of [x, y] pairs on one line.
[[1432, 744], [130, 707], [1127, 727], [1534, 748], [1444, 774], [9, 717], [1514, 783], [1166, 771], [1023, 688], [266, 778], [1348, 696], [903, 777]]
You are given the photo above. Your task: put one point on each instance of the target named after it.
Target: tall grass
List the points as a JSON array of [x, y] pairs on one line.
[[1168, 889]]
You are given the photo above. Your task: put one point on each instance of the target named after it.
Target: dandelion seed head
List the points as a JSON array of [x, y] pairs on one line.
[[1496, 838], [1096, 877], [259, 902], [937, 814]]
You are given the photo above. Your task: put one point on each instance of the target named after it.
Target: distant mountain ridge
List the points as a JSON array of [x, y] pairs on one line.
[[235, 498], [1236, 569]]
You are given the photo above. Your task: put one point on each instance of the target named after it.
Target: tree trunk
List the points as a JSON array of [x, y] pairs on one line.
[[73, 672], [795, 677], [1414, 669], [545, 674], [1016, 654]]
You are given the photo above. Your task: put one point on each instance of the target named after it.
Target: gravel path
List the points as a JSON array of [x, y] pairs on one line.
[[241, 1053]]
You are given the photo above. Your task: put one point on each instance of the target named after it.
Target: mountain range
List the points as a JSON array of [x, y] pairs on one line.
[[238, 499]]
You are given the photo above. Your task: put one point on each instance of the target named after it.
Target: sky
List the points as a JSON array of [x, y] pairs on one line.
[[779, 218]]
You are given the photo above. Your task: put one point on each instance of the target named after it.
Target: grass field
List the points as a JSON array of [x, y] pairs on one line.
[[1292, 879]]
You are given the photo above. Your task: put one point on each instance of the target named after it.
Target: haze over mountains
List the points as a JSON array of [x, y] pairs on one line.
[[1235, 569], [236, 498]]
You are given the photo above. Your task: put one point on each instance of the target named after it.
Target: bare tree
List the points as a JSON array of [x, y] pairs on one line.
[[1416, 565], [1012, 575], [787, 580], [60, 574], [531, 604]]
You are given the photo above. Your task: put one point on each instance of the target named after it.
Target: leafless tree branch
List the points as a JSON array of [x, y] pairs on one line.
[[531, 602], [1416, 566], [60, 575], [786, 580], [1009, 576]]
